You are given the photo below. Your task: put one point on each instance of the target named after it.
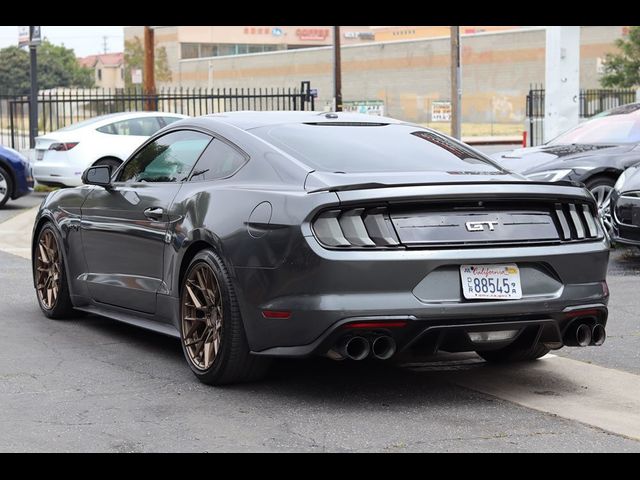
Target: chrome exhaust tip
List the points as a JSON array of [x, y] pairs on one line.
[[583, 335], [354, 348], [383, 347], [598, 335], [578, 335]]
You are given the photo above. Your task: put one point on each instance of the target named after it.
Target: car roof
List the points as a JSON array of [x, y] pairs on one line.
[[100, 120], [248, 120], [628, 109]]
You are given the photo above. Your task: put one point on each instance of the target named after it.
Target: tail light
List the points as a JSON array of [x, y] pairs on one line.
[[62, 147], [577, 222], [356, 227]]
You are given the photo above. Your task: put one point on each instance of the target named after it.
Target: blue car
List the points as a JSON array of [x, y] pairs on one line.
[[15, 175]]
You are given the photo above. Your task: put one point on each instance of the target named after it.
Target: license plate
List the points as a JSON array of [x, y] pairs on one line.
[[491, 282]]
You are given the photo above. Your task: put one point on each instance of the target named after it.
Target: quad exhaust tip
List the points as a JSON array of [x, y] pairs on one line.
[[583, 335], [354, 348], [598, 335], [383, 347], [357, 348]]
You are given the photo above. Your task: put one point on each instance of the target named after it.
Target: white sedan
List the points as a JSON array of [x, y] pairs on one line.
[[63, 155]]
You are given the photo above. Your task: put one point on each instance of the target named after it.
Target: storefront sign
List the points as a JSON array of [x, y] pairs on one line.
[[317, 34]]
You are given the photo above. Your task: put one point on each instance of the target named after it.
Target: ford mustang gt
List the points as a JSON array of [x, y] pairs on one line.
[[254, 235]]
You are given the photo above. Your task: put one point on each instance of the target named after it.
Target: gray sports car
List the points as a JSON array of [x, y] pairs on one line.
[[290, 234]]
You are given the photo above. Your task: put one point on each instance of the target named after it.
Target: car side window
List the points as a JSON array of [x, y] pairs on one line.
[[219, 160], [142, 127], [169, 158], [169, 120]]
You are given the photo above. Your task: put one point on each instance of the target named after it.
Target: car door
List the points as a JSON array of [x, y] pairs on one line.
[[124, 227]]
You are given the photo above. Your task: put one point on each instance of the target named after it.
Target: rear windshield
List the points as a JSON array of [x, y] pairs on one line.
[[373, 148]]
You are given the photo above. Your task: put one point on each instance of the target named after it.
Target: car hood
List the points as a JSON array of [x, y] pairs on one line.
[[556, 157], [332, 181]]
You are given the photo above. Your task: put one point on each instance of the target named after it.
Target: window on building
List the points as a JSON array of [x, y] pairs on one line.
[[122, 74], [190, 50], [99, 74]]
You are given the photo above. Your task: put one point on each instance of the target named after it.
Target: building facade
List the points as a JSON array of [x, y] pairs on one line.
[[409, 76], [193, 42], [108, 69]]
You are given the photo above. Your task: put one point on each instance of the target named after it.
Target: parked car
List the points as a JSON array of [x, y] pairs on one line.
[[595, 153], [15, 175], [253, 235], [63, 155], [625, 208]]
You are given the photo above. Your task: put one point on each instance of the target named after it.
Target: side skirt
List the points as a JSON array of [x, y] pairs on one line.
[[131, 319]]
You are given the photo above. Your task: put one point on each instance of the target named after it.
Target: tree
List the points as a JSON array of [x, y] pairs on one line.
[[57, 67], [622, 70], [134, 59]]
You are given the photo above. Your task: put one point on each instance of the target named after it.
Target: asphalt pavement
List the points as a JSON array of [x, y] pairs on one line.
[[91, 384]]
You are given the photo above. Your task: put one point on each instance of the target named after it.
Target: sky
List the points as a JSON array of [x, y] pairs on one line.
[[84, 40]]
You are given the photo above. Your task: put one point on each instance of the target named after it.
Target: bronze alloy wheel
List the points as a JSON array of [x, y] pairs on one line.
[[201, 316], [48, 268]]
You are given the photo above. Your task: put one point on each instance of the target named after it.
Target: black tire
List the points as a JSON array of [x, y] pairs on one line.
[[112, 162], [4, 197], [233, 363], [513, 354], [63, 308]]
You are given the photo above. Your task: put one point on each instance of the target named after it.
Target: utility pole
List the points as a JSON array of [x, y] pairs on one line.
[[104, 44], [34, 37], [456, 84], [337, 70], [149, 64]]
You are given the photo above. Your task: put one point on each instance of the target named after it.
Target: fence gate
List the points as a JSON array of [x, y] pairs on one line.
[[592, 102], [60, 108]]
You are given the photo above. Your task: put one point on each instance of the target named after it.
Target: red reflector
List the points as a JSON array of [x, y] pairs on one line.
[[582, 313], [273, 314], [376, 325]]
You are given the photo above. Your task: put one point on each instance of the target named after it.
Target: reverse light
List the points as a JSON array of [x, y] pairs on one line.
[[62, 147], [486, 337]]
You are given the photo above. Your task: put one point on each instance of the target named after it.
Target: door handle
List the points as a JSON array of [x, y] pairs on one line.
[[154, 213]]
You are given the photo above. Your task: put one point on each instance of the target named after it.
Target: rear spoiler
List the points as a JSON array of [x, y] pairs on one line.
[[376, 185]]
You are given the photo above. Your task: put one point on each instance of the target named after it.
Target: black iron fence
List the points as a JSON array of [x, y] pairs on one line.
[[592, 102], [58, 109]]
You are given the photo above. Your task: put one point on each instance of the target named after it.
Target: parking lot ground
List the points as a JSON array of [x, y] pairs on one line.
[[91, 384], [15, 207]]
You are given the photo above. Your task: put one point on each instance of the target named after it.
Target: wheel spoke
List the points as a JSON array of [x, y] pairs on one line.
[[202, 316], [194, 298], [48, 269]]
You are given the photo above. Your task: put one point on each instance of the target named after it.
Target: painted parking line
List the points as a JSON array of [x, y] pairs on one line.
[[601, 397], [15, 234]]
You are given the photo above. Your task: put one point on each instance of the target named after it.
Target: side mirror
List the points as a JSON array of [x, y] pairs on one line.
[[99, 175]]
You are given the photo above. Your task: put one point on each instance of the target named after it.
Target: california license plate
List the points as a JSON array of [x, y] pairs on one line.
[[491, 282]]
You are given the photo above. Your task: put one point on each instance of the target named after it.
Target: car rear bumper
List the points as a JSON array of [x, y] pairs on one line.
[[326, 289], [56, 174]]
